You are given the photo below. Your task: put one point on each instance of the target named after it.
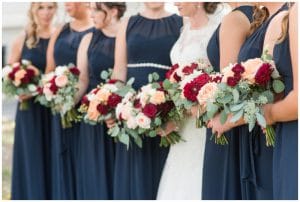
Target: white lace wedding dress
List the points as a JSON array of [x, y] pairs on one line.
[[182, 174]]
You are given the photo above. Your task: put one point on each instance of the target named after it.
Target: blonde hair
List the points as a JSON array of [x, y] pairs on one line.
[[284, 26], [260, 15], [32, 38]]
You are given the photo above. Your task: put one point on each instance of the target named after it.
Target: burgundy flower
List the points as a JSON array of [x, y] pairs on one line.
[[238, 69], [75, 71], [187, 70], [202, 79], [217, 79], [112, 81], [237, 77], [11, 75], [170, 72], [39, 90], [150, 110], [165, 108], [102, 109], [114, 100], [231, 81], [95, 91], [30, 73], [194, 65], [53, 88], [137, 104], [177, 78], [25, 79], [263, 75], [84, 100]]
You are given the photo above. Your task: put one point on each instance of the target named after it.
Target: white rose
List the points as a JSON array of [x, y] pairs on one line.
[[143, 121]]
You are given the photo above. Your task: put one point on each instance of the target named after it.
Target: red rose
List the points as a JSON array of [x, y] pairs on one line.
[[238, 69], [217, 79], [114, 100], [187, 70], [85, 101], [263, 75], [39, 90], [25, 79], [165, 108], [137, 103], [11, 75], [237, 77], [75, 71], [150, 110], [231, 81], [30, 73], [102, 109], [177, 78], [170, 72], [53, 88], [112, 81], [202, 79]]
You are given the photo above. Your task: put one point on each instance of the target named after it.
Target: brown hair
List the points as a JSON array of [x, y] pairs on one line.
[[260, 15], [32, 38], [210, 7], [120, 6]]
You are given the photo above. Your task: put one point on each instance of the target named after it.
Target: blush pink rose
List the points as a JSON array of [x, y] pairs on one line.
[[143, 121], [251, 67], [61, 80], [206, 93], [47, 92]]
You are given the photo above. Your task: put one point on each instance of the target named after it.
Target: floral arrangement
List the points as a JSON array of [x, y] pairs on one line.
[[20, 79]]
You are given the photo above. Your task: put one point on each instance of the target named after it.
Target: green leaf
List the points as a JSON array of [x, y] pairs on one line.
[[211, 110], [130, 81], [155, 85], [236, 95], [251, 125], [223, 117], [269, 95], [226, 99], [237, 107], [138, 141], [124, 139], [152, 133], [115, 131], [155, 76], [278, 86], [150, 78], [167, 84], [261, 120], [237, 116], [157, 121], [104, 75]]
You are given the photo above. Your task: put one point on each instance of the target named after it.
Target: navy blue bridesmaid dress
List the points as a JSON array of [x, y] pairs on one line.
[[256, 158], [285, 156], [96, 149], [65, 141], [221, 174], [31, 153], [149, 41]]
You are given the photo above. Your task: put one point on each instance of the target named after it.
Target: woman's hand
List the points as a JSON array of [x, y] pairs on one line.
[[219, 128], [24, 97], [110, 122], [169, 127]]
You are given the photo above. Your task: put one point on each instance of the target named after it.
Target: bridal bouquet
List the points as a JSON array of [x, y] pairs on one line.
[[244, 89], [100, 103], [146, 112], [58, 91], [20, 79]]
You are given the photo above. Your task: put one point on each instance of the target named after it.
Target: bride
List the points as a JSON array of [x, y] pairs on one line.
[[182, 174]]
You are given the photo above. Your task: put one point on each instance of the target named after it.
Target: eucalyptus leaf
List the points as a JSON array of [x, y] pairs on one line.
[[261, 120], [278, 86], [223, 117], [237, 116]]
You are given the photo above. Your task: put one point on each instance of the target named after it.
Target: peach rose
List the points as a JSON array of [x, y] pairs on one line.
[[102, 95], [36, 71], [206, 93], [92, 112], [18, 76], [227, 72], [143, 121], [251, 67], [61, 80], [158, 97]]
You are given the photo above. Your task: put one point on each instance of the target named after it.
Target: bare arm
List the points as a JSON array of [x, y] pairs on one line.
[[50, 66], [82, 64], [120, 67], [16, 49], [287, 109]]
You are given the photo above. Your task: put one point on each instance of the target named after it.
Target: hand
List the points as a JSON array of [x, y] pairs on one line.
[[110, 122], [194, 111], [24, 97], [267, 111], [219, 128], [170, 127]]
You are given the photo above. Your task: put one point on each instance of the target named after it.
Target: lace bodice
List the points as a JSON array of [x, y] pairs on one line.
[[192, 43]]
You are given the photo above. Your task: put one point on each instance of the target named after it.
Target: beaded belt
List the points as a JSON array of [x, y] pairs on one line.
[[148, 65]]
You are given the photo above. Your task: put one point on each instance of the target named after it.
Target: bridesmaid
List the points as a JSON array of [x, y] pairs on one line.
[[62, 50], [143, 45], [31, 158], [221, 168], [96, 148], [255, 156], [285, 112]]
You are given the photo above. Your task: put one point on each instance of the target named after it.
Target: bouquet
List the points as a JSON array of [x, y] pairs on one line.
[[100, 103], [20, 79], [144, 113], [58, 89], [244, 89]]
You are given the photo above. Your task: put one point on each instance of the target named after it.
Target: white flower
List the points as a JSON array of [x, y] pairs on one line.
[[110, 87], [6, 70], [26, 62], [131, 123], [90, 97], [60, 70], [32, 87], [143, 121]]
